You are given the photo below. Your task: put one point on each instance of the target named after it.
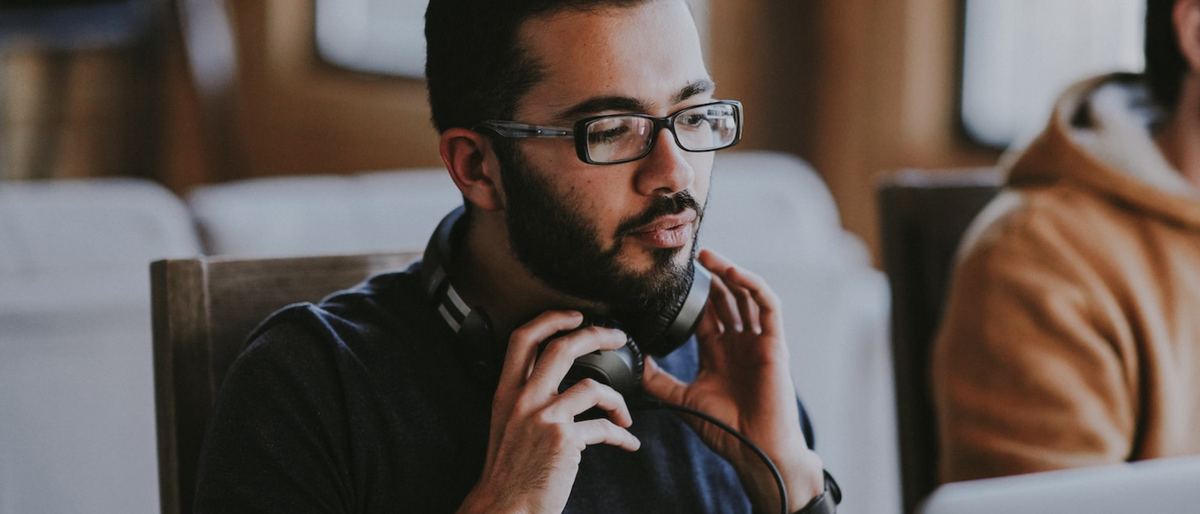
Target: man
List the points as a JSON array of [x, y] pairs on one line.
[[580, 134], [1071, 336]]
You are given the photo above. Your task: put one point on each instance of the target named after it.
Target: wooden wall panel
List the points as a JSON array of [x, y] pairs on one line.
[[85, 112], [856, 87], [295, 114], [325, 119]]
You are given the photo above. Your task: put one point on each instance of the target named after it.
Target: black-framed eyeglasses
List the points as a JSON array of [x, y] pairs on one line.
[[618, 138]]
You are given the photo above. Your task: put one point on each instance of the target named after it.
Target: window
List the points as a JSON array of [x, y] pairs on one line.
[[378, 36], [1019, 55]]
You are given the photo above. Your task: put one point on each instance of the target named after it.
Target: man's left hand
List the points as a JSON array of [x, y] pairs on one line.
[[745, 381]]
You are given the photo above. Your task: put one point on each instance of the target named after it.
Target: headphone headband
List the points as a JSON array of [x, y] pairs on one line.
[[472, 328], [437, 254]]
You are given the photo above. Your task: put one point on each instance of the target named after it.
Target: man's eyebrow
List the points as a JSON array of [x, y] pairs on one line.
[[594, 106], [693, 89]]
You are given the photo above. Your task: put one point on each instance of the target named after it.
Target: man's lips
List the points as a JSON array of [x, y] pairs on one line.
[[666, 232], [667, 222]]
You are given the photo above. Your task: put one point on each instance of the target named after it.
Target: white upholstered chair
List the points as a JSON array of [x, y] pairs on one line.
[[76, 397]]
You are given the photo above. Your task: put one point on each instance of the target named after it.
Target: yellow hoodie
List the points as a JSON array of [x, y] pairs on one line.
[[1072, 330]]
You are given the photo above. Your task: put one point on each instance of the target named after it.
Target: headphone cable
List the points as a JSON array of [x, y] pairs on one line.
[[649, 403]]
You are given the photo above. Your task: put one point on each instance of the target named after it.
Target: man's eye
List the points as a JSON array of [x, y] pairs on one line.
[[608, 135], [693, 120]]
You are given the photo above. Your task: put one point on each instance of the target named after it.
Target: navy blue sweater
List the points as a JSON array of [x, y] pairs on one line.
[[362, 404]]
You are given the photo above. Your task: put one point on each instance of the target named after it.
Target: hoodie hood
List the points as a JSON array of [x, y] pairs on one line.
[[1100, 137]]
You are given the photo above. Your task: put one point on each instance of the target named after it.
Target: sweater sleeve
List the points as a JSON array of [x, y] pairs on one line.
[[277, 438], [1027, 373]]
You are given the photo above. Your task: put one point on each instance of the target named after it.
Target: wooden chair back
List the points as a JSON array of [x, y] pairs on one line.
[[203, 310], [924, 215]]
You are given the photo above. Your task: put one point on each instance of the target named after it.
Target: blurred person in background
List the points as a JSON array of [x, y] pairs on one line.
[[1072, 331]]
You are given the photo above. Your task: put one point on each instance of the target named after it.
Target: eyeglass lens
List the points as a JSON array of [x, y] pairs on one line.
[[701, 128]]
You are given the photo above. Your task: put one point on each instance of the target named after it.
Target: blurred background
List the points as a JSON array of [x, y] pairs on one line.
[[189, 92]]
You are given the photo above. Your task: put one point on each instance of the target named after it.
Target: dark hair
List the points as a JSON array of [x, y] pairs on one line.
[[1165, 65], [474, 66]]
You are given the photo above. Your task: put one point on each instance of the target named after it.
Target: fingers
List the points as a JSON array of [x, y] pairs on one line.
[[709, 322], [558, 356], [764, 299], [662, 385], [598, 431], [747, 304], [587, 394], [724, 305], [522, 346], [757, 307], [533, 430], [529, 382]]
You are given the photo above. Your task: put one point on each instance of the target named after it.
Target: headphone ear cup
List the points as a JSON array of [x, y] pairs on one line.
[[655, 337], [621, 369], [638, 360], [671, 328]]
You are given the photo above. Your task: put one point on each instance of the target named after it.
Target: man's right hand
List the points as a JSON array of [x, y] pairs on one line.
[[535, 444]]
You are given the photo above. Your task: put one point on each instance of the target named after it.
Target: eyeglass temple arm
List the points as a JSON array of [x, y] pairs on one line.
[[509, 129]]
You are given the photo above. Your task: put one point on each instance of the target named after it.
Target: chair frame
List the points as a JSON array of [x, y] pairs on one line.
[[203, 310], [924, 214]]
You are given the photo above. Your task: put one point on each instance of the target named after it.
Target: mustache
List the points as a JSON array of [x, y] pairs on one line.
[[662, 206]]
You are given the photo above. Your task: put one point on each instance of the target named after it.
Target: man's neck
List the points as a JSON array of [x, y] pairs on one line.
[[487, 275], [1179, 138]]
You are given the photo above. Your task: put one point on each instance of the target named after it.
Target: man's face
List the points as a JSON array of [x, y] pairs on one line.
[[559, 245], [621, 234]]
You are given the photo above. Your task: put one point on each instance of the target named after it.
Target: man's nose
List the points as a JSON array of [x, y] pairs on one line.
[[664, 171]]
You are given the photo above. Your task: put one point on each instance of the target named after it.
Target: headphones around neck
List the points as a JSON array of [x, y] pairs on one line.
[[477, 345], [621, 368]]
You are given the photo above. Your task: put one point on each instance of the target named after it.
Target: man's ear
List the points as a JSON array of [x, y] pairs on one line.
[[473, 165], [1186, 18]]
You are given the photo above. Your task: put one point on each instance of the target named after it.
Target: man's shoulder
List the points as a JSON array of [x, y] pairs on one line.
[[1051, 222], [387, 305], [398, 292]]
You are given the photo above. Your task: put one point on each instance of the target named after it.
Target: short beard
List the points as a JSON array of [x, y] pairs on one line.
[[562, 249]]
